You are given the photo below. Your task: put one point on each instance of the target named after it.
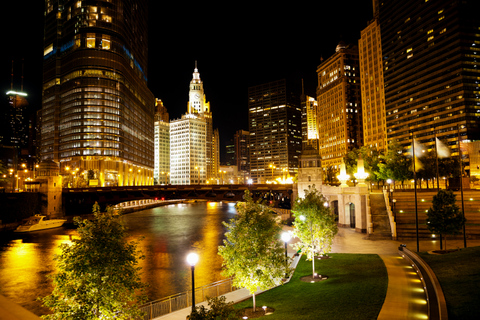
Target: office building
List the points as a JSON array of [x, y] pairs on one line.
[[161, 172], [192, 139], [339, 105], [431, 53], [372, 87], [274, 116], [309, 121], [97, 111], [242, 155]]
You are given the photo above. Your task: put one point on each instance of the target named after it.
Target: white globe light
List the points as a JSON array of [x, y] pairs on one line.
[[286, 236], [192, 259]]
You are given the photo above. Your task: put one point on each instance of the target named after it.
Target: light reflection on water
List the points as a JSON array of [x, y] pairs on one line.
[[169, 234]]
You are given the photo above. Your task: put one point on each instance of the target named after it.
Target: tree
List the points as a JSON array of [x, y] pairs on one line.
[[371, 157], [396, 165], [98, 275], [314, 224], [444, 216], [252, 251]]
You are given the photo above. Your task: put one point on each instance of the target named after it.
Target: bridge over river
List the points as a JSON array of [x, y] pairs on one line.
[[80, 200]]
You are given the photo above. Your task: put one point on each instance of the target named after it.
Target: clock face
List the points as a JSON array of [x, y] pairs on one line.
[[197, 96]]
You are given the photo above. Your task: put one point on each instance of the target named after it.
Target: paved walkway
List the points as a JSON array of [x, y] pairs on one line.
[[405, 297]]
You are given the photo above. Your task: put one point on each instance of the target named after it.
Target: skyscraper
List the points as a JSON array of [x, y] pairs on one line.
[[97, 111], [161, 172], [431, 62], [339, 105], [372, 87], [193, 142], [274, 117]]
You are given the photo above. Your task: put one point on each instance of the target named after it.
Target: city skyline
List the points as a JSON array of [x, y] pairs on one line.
[[262, 45]]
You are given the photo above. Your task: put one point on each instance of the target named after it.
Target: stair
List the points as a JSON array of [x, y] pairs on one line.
[[380, 221]]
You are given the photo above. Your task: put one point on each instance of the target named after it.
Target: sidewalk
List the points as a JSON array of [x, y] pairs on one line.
[[405, 297]]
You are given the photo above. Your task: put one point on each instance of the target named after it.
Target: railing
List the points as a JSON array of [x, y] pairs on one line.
[[391, 217], [437, 306], [183, 300]]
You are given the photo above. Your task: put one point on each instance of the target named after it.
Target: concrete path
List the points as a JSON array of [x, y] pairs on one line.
[[405, 297]]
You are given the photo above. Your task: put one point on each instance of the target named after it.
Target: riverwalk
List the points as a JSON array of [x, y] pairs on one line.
[[405, 298]]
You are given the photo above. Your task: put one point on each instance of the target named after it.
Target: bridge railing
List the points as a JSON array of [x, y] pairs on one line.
[[183, 300]]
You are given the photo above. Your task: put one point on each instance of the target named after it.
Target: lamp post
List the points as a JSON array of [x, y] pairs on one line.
[[192, 260], [286, 238]]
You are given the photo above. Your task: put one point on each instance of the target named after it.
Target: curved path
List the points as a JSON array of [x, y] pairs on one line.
[[405, 297]]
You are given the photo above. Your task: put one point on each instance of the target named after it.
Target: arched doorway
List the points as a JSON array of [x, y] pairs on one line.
[[350, 214], [334, 207]]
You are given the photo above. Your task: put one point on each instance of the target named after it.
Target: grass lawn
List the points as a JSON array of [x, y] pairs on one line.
[[459, 276], [355, 289]]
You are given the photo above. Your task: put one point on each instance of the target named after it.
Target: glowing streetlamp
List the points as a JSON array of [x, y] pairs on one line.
[[361, 175], [192, 259], [343, 176]]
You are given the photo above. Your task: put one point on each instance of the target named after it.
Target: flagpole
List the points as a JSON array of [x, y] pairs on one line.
[[436, 156], [461, 185], [438, 181], [415, 187]]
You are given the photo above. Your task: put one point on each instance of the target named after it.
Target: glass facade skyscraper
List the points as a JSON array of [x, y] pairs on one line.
[[97, 111]]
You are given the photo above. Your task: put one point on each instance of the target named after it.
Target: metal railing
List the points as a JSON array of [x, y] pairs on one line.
[[183, 300]]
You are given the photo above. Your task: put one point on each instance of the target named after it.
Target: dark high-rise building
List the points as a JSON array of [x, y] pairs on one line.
[[242, 156], [97, 112], [431, 62], [275, 128]]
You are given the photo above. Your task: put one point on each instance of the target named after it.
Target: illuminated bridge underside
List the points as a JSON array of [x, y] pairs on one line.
[[80, 200]]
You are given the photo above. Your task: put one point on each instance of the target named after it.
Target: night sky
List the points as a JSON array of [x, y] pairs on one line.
[[236, 45]]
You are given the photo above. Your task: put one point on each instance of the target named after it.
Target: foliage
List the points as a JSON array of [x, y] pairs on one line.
[[219, 309], [98, 275], [444, 216], [371, 157], [395, 164], [318, 228], [252, 251]]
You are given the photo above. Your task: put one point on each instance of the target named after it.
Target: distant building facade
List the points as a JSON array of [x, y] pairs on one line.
[[97, 111], [274, 116], [431, 67], [372, 87], [339, 105], [161, 173]]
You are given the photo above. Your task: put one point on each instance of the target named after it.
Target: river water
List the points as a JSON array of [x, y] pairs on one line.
[[169, 234]]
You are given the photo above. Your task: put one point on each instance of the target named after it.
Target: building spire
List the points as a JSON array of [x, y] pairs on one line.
[[196, 74]]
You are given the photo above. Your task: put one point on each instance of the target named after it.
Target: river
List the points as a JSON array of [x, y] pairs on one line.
[[169, 234]]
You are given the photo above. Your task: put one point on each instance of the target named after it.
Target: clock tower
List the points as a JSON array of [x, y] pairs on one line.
[[196, 101]]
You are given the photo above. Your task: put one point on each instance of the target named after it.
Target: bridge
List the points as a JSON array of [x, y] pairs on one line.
[[80, 200]]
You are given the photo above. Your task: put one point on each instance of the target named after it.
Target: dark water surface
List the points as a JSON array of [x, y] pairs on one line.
[[169, 234]]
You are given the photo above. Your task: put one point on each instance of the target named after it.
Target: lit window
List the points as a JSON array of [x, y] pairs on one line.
[[90, 40], [430, 38], [79, 4], [105, 44]]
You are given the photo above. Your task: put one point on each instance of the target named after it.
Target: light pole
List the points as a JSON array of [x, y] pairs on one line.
[[192, 260], [286, 238]]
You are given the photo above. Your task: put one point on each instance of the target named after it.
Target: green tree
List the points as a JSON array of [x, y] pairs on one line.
[[98, 275], [314, 224], [444, 216], [371, 157], [252, 251], [395, 164]]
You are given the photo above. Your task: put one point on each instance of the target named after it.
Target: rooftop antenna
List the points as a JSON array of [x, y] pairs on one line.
[[21, 86], [11, 83]]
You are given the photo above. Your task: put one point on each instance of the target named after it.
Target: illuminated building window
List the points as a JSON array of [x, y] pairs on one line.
[[106, 42], [90, 40]]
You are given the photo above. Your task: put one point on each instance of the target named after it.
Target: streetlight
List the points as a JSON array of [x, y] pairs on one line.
[[286, 238], [192, 260]]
